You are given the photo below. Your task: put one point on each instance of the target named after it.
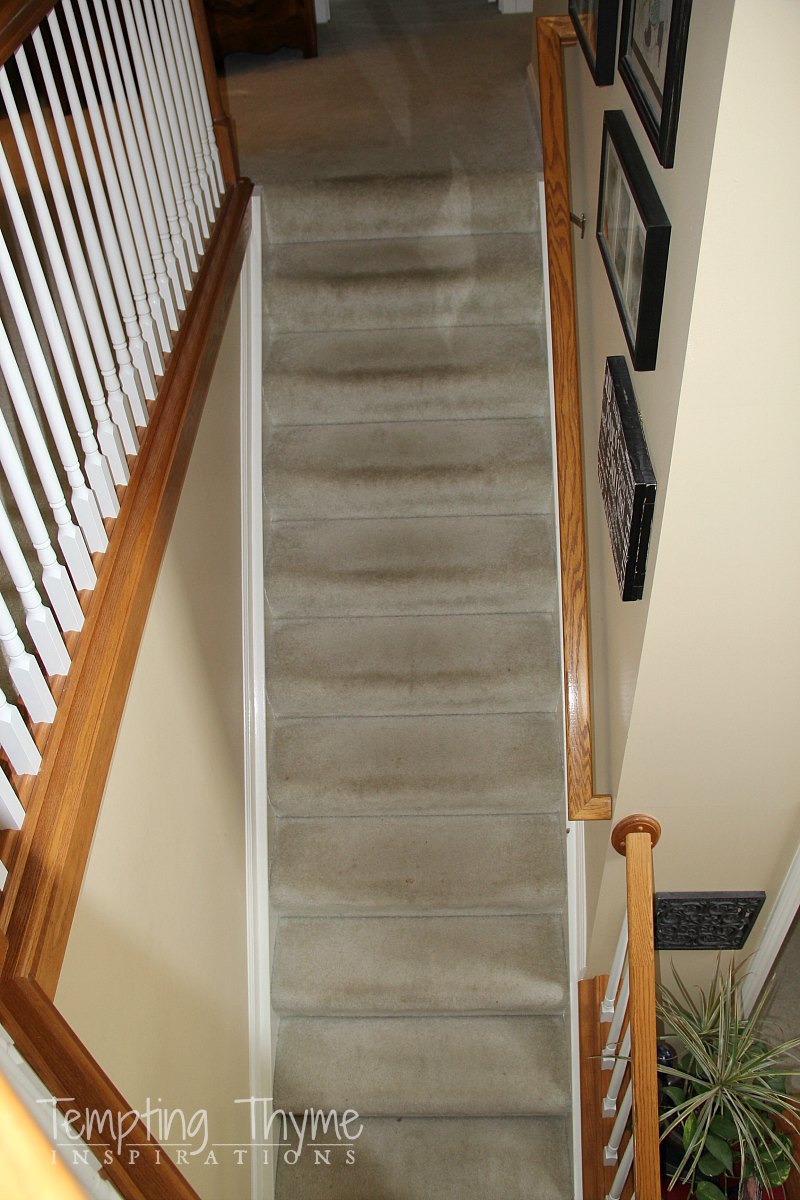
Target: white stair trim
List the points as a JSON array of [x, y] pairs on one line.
[[784, 910]]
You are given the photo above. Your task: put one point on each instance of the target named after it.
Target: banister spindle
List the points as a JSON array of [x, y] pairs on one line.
[[157, 240], [194, 47], [621, 1062], [173, 53], [168, 121], [39, 620], [20, 749], [151, 148], [622, 1173], [609, 999], [132, 247], [615, 1028], [84, 504], [132, 381], [611, 1151], [12, 814], [24, 670], [139, 348], [96, 464], [157, 123], [176, 16]]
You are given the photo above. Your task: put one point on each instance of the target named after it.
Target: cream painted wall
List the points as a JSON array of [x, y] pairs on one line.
[[155, 977], [692, 685]]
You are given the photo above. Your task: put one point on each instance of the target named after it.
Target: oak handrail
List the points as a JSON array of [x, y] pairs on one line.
[[583, 804], [635, 836]]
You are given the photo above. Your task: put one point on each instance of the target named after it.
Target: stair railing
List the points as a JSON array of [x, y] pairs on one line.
[[619, 1083], [122, 235], [583, 804]]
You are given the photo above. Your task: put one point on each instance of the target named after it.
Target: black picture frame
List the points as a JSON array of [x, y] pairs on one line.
[[595, 24], [626, 478], [633, 233], [652, 56]]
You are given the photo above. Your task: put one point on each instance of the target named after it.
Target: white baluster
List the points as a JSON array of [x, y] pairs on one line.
[[39, 620], [139, 348], [84, 504], [611, 1150], [12, 814], [619, 1017], [621, 1063], [25, 672], [18, 745], [132, 384], [152, 152], [177, 20], [623, 1171], [162, 100], [132, 195], [97, 468], [155, 225], [607, 1005], [132, 247], [194, 47], [187, 120]]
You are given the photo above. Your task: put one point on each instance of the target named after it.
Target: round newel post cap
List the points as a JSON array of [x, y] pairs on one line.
[[635, 823]]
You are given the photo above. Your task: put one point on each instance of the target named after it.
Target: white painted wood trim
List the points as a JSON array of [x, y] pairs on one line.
[[576, 859], [322, 9], [255, 701], [778, 925]]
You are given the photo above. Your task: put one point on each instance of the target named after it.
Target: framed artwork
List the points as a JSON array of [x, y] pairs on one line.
[[633, 233], [595, 24], [652, 54], [627, 482]]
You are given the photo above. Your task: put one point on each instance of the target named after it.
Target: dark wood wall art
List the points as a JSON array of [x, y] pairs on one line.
[[633, 233], [652, 54], [627, 482], [595, 24]]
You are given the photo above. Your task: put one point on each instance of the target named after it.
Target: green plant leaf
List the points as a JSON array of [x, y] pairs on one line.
[[705, 1190], [689, 1127], [720, 1149], [676, 1094], [723, 1127], [711, 1166], [777, 1171]]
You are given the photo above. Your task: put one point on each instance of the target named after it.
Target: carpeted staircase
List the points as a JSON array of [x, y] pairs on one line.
[[415, 771]]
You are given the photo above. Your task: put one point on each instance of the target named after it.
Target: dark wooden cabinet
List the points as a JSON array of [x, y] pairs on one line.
[[261, 26]]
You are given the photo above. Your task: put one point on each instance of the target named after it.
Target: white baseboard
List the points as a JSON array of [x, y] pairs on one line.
[[778, 925], [255, 701], [576, 859]]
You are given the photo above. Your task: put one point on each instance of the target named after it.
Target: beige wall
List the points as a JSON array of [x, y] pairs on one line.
[[155, 974], [691, 684]]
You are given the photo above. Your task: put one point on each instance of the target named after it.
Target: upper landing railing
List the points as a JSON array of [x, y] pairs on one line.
[[121, 223]]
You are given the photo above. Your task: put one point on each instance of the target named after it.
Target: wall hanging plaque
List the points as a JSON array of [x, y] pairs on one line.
[[652, 54], [595, 24], [633, 233], [627, 482]]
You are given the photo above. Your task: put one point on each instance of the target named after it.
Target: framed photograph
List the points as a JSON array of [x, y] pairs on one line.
[[633, 234], [595, 24], [652, 54], [627, 482]]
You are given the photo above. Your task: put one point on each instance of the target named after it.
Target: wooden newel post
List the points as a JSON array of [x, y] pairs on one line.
[[635, 837]]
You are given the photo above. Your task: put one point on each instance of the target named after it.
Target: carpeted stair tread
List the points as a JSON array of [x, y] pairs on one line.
[[492, 371], [402, 565], [380, 666], [511, 1158], [390, 206], [381, 866], [361, 766], [408, 469], [412, 282], [423, 1066], [423, 965]]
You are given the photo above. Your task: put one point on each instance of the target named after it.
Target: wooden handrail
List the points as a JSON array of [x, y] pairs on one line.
[[552, 35], [635, 837], [18, 21], [47, 859]]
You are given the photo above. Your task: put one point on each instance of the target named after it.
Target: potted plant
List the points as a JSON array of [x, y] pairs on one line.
[[725, 1098]]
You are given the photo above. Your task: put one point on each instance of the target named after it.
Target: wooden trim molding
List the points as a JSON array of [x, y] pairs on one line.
[[132, 1160], [553, 34], [635, 823], [47, 859]]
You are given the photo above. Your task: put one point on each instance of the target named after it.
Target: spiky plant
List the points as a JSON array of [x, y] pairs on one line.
[[728, 1087]]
